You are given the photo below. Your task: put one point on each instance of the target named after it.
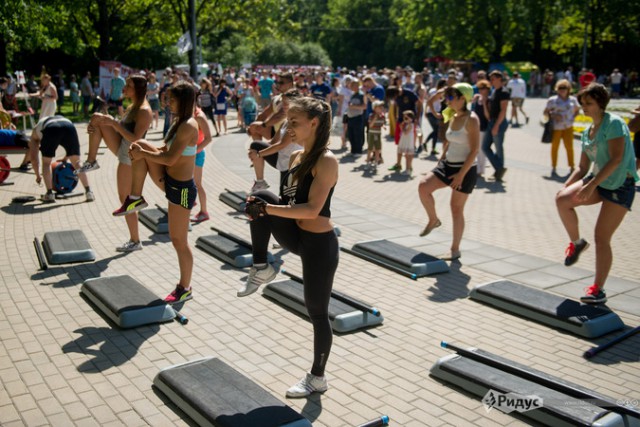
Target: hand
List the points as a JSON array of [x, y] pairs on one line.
[[90, 129], [39, 180], [585, 192], [255, 208], [252, 154], [456, 181], [494, 130], [135, 151]]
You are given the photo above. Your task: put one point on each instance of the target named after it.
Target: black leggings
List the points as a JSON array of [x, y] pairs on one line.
[[433, 121], [319, 254]]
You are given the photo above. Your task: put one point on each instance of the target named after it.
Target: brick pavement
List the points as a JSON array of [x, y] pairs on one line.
[[61, 363]]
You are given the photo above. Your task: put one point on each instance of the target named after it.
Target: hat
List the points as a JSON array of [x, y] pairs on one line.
[[377, 104], [465, 89]]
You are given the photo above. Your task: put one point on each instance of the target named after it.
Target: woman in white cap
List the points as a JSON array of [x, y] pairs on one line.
[[457, 165]]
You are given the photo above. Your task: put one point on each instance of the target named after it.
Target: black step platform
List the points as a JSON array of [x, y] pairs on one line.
[[63, 247], [586, 320], [346, 313], [235, 199], [212, 393], [156, 219], [229, 248], [555, 402], [127, 302], [401, 259]]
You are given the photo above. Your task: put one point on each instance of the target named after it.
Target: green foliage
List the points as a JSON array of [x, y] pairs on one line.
[[286, 52]]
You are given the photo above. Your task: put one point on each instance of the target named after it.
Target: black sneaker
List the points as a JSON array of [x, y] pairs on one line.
[[573, 251], [594, 295]]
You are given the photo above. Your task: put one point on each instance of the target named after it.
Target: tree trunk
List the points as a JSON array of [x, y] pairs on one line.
[[3, 55], [103, 28]]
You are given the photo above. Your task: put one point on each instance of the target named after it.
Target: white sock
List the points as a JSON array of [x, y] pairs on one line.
[[577, 242], [132, 197], [260, 266]]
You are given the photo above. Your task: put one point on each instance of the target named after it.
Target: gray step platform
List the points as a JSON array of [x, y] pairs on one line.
[[212, 393], [228, 248], [126, 301], [400, 258], [156, 220], [586, 320], [234, 199], [67, 247], [558, 409], [344, 317]]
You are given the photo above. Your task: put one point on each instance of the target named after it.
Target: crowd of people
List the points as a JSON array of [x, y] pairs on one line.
[[289, 116]]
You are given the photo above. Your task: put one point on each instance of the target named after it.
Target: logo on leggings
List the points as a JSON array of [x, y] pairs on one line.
[[509, 402]]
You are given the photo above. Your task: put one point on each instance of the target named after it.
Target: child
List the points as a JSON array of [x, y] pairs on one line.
[[374, 137], [408, 142], [249, 107]]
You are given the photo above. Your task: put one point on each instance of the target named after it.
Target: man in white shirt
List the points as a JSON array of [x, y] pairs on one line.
[[518, 89]]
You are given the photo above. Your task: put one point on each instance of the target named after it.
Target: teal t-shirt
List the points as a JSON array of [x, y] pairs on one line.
[[117, 84], [597, 150], [266, 86]]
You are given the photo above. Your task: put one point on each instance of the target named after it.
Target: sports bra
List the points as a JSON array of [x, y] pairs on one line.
[[189, 150], [292, 193]]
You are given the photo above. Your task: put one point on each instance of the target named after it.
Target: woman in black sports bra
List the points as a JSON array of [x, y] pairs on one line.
[[300, 220]]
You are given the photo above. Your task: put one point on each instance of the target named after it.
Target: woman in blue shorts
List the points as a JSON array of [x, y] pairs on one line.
[[171, 167], [204, 139], [607, 145], [221, 95]]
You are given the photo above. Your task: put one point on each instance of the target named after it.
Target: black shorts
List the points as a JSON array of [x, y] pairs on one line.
[[445, 169], [182, 193], [64, 135]]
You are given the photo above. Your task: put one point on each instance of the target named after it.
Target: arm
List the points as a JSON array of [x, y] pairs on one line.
[[326, 176], [34, 145], [143, 121], [276, 144], [615, 147], [186, 135], [433, 98], [203, 124], [503, 112], [580, 171]]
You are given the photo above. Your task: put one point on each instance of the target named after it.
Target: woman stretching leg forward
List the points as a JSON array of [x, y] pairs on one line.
[[300, 220], [171, 168]]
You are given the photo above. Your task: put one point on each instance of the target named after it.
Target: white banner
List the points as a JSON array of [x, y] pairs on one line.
[[184, 43]]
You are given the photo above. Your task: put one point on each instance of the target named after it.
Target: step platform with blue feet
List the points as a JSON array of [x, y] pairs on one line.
[[127, 303], [63, 247], [401, 259], [587, 320], [213, 394]]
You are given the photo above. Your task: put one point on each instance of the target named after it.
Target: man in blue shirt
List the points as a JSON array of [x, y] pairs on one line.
[[265, 86], [374, 92], [320, 89], [115, 93]]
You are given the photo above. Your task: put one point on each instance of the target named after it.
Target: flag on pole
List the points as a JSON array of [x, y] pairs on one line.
[[184, 43]]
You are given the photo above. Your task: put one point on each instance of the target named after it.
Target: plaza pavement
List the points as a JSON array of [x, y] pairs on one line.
[[62, 363]]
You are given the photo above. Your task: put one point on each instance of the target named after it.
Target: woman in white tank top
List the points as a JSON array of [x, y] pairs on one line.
[[457, 168]]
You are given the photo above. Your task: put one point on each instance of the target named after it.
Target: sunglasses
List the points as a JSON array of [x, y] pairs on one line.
[[563, 88]]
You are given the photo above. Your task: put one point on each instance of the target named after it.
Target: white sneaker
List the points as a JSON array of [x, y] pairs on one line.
[[309, 384], [90, 196], [87, 167], [130, 246], [256, 278], [48, 197], [260, 184]]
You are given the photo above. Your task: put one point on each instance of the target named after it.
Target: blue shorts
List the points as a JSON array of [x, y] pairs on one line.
[[182, 193], [200, 159], [622, 195]]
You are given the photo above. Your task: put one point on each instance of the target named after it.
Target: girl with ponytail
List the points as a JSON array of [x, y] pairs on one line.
[[300, 220]]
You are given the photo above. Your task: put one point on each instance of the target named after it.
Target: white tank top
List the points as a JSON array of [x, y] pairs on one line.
[[459, 148], [285, 154]]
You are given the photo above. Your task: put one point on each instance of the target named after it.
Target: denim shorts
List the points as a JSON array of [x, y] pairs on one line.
[[622, 195]]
